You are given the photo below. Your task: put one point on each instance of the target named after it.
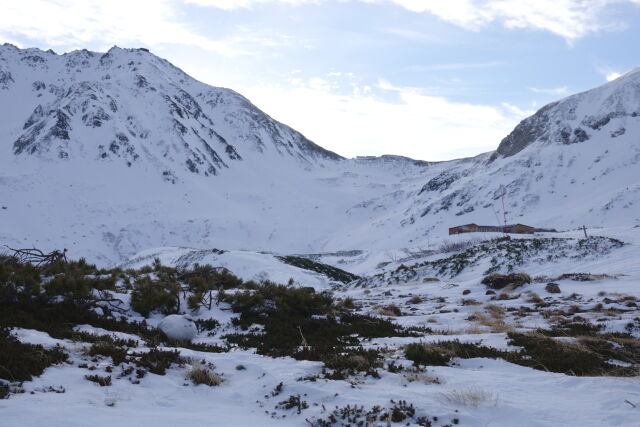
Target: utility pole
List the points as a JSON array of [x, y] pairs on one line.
[[502, 192]]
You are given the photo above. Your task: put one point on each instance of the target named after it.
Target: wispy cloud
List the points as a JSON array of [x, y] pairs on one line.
[[570, 19], [609, 73], [370, 119], [150, 23], [246, 4], [550, 91], [455, 66]]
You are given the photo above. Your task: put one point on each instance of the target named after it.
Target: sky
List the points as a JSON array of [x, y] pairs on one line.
[[427, 79]]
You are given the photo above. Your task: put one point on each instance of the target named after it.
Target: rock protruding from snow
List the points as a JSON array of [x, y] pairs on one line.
[[178, 327]]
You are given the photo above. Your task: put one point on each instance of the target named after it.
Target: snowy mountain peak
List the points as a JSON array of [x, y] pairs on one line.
[[132, 107], [607, 111]]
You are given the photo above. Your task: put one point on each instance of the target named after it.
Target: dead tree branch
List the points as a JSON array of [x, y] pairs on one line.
[[37, 257]]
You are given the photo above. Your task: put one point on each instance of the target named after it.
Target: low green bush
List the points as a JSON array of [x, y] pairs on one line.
[[154, 295], [21, 362], [157, 361]]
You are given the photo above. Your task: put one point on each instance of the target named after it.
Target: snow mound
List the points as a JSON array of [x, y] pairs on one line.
[[178, 327]]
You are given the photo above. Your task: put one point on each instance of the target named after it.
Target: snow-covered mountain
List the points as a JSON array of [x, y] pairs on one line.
[[574, 161], [112, 154], [132, 107]]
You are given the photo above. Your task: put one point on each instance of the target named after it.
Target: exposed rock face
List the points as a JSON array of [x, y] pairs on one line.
[[579, 117]]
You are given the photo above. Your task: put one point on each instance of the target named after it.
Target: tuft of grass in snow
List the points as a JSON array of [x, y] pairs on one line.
[[101, 381], [472, 396], [201, 374], [293, 402]]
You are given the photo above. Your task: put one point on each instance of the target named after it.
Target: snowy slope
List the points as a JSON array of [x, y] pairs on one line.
[[112, 154], [246, 265], [575, 161]]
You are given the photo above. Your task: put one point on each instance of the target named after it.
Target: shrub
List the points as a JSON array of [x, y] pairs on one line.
[[328, 270], [148, 296], [303, 324], [21, 362], [203, 281], [580, 359], [118, 354], [293, 402], [206, 324], [352, 361], [157, 361], [75, 287], [427, 354], [500, 281], [101, 381], [4, 391]]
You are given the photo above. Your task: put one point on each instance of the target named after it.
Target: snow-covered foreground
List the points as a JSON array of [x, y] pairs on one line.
[[510, 395], [473, 392]]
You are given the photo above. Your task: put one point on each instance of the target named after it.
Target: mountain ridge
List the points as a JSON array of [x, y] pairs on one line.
[[274, 190], [80, 93]]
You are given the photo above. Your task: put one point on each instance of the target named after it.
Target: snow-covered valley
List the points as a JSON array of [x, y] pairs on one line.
[[112, 181], [382, 319]]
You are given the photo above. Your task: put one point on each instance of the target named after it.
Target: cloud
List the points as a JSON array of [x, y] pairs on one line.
[[517, 111], [551, 91], [570, 19], [609, 73], [612, 75], [154, 23], [370, 119], [455, 66], [245, 4], [150, 23]]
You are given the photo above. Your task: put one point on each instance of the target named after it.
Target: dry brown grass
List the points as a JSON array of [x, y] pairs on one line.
[[200, 374], [534, 298], [422, 377], [505, 296], [384, 312], [493, 318], [391, 310], [611, 313], [472, 396], [474, 330], [496, 311]]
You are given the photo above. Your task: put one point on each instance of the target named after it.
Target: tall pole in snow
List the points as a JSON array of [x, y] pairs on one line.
[[503, 191], [584, 228]]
